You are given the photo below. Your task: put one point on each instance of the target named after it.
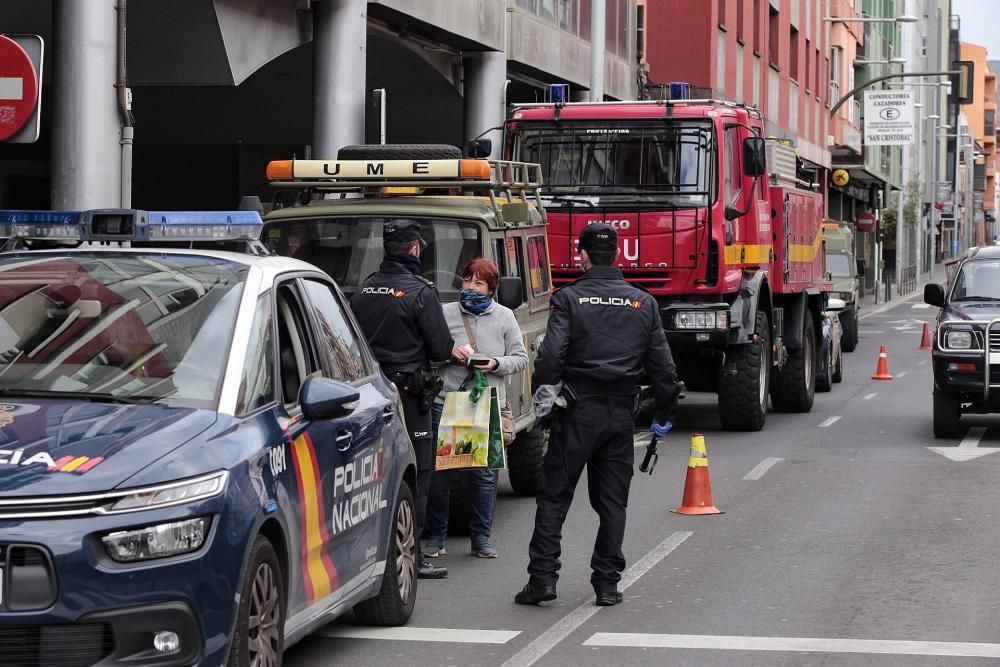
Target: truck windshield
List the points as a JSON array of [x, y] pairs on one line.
[[119, 327], [349, 248], [622, 161], [839, 266]]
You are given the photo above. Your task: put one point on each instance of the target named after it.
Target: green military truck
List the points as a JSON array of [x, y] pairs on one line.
[[838, 237], [330, 214]]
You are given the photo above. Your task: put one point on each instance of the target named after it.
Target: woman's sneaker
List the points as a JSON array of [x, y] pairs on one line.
[[433, 549], [484, 549]]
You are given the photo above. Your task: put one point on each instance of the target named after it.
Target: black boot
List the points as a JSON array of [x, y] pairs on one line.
[[608, 598], [535, 593], [427, 571]]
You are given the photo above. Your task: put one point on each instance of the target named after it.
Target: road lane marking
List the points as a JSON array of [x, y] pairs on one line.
[[968, 449], [922, 363], [903, 374], [829, 422], [408, 634], [920, 306], [866, 331], [642, 439], [797, 644], [762, 468], [548, 640], [868, 397]]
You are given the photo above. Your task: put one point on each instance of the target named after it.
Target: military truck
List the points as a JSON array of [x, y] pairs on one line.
[[838, 237], [330, 213]]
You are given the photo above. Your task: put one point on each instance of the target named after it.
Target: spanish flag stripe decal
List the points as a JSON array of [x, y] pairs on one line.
[[331, 572], [74, 464], [314, 567], [60, 462], [90, 464]]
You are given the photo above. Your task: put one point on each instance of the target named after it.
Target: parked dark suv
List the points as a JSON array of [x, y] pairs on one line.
[[966, 348]]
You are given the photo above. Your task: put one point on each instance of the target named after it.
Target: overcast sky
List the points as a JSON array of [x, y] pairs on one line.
[[979, 24]]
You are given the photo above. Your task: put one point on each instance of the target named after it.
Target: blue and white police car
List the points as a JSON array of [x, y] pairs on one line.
[[200, 461]]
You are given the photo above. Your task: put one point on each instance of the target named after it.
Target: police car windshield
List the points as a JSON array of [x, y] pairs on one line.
[[133, 326], [349, 248], [669, 162]]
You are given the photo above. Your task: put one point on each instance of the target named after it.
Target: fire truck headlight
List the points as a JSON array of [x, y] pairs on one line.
[[701, 319]]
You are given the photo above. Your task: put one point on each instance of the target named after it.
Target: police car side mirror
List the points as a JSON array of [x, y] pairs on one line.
[[510, 292], [934, 294], [323, 398]]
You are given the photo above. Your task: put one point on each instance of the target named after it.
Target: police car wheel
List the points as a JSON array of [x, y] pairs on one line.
[[824, 379], [849, 323], [838, 367], [394, 603], [260, 625]]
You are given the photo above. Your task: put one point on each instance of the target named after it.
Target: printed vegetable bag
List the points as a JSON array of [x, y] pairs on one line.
[[464, 434], [497, 459]]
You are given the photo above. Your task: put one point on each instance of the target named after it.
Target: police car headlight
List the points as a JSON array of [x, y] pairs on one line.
[[159, 541], [958, 340], [174, 493], [701, 319]]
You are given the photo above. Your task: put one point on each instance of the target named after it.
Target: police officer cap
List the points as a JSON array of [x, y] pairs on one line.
[[401, 230], [598, 236]]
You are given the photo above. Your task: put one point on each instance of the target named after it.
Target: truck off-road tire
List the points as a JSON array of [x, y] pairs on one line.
[[838, 368], [824, 378], [849, 323], [947, 415], [793, 387], [744, 380], [524, 460], [459, 503], [394, 602], [400, 152]]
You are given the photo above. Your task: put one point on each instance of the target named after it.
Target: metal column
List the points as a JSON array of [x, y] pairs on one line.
[[485, 77], [340, 43], [86, 155], [597, 18]]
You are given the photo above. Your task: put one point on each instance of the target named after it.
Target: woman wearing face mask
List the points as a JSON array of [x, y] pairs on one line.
[[496, 335]]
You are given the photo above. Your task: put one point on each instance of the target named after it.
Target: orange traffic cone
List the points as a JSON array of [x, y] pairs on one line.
[[882, 369], [925, 341], [697, 486]]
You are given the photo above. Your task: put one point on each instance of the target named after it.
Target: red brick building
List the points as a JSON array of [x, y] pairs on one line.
[[773, 54]]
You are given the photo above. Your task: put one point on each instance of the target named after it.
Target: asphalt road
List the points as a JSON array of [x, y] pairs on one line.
[[845, 541]]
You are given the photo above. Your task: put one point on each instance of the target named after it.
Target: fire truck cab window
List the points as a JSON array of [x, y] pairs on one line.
[[733, 168], [622, 162]]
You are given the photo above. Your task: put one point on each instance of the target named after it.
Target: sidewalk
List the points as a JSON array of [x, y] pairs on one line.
[[870, 307]]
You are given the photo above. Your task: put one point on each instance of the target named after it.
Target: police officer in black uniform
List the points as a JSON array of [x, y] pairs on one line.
[[401, 316], [602, 334]]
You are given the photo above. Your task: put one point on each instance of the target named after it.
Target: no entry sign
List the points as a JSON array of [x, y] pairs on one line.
[[19, 86]]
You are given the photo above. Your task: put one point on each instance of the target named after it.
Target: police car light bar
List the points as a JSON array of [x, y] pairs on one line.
[[130, 225], [409, 170], [204, 225], [36, 225]]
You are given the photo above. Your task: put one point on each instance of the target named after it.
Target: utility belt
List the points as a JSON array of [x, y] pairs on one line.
[[424, 383]]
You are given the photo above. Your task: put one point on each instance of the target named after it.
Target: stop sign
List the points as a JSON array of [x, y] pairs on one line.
[[18, 87]]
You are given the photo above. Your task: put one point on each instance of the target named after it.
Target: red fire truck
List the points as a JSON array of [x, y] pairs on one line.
[[732, 253]]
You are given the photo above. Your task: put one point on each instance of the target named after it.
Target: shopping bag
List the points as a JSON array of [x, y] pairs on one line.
[[464, 433], [497, 459]]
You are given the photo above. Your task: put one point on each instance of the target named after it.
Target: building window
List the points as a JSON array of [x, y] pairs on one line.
[[722, 13], [793, 54], [758, 37], [774, 53], [585, 20], [538, 265], [527, 5], [740, 13], [547, 10], [836, 53], [807, 75]]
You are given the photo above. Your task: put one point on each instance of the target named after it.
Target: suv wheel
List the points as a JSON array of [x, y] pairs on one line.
[[394, 602], [947, 413], [849, 322]]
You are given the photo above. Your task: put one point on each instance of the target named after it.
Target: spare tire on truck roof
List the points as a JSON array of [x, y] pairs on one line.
[[400, 152]]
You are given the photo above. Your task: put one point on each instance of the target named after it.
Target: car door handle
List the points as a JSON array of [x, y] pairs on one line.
[[344, 439], [388, 413]]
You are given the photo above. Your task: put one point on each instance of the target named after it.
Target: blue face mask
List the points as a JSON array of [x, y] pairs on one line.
[[473, 301]]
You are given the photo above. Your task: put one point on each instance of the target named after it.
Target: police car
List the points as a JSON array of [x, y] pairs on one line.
[[200, 461]]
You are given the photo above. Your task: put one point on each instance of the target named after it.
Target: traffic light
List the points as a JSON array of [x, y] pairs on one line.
[[963, 83]]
